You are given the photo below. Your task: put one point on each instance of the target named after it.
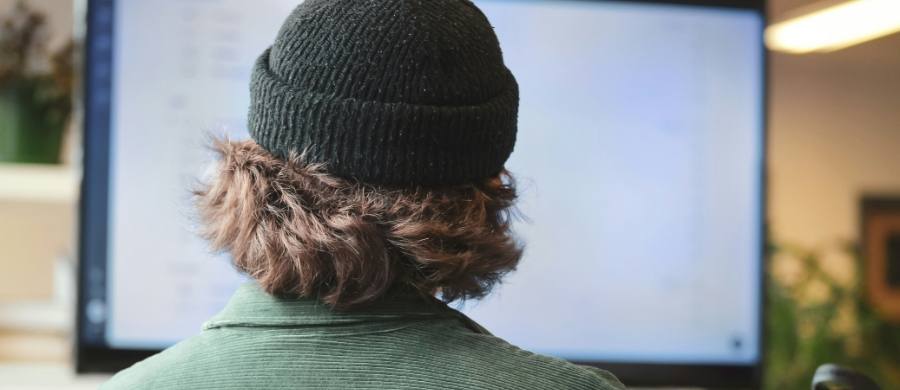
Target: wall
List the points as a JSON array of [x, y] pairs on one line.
[[834, 135]]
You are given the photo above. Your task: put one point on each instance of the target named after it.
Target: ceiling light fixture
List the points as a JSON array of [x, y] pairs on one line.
[[835, 27]]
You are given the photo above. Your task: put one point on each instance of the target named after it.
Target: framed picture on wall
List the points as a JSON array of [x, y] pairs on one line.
[[880, 217]]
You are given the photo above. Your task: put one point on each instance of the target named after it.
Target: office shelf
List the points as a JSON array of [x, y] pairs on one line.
[[38, 183], [35, 317]]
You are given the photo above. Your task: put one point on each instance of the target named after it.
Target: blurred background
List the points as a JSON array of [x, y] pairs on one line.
[[834, 155]]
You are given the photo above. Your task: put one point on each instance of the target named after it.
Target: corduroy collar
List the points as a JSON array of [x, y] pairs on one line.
[[250, 306]]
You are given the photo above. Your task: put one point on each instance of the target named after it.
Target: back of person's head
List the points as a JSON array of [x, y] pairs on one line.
[[380, 133]]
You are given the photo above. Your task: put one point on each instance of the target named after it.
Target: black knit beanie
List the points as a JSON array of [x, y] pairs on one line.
[[394, 92]]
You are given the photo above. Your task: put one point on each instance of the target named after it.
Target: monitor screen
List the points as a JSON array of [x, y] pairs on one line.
[[639, 163]]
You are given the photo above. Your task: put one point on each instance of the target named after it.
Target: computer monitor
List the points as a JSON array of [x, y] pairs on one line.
[[640, 163]]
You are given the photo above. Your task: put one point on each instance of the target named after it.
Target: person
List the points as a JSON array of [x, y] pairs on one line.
[[373, 192]]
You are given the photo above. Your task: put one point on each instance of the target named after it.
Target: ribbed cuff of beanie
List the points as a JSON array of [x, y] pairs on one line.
[[383, 142]]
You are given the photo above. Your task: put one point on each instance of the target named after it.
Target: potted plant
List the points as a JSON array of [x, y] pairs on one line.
[[35, 89]]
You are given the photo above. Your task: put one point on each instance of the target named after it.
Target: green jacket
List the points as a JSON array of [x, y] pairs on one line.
[[262, 342]]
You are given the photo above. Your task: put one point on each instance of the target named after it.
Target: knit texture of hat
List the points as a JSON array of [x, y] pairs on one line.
[[394, 92]]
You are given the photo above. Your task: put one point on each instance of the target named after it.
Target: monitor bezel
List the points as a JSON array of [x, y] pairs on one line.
[[93, 214]]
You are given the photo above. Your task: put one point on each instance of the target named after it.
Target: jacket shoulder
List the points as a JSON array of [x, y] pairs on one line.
[[164, 370], [535, 371]]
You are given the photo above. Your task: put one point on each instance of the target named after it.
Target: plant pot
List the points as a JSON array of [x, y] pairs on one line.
[[32, 122]]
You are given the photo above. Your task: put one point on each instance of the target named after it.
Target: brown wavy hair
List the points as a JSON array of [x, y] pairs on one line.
[[301, 232]]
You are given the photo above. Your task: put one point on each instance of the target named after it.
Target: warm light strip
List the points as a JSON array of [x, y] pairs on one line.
[[836, 27]]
